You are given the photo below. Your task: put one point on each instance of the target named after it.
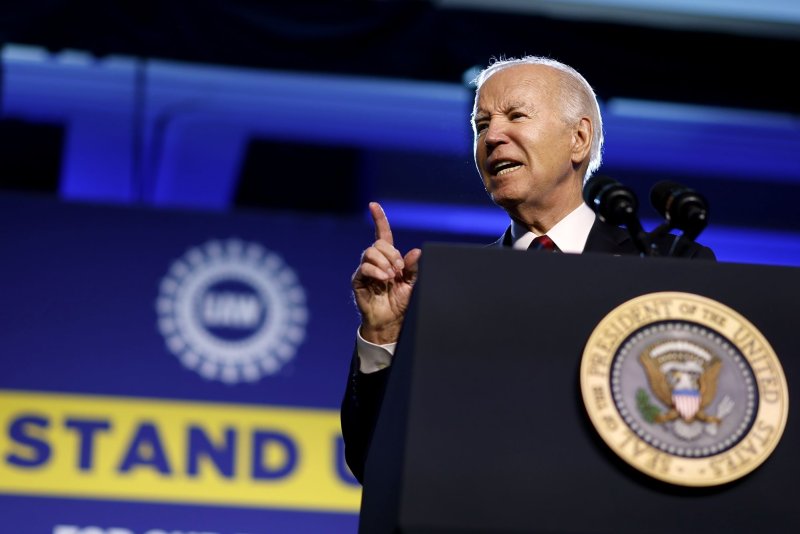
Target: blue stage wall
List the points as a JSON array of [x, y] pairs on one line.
[[174, 371]]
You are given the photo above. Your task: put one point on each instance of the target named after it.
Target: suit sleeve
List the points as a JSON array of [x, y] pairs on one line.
[[359, 413]]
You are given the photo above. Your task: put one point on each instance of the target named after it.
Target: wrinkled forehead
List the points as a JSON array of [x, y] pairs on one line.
[[515, 86]]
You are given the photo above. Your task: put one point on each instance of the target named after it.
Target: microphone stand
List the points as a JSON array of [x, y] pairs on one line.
[[682, 208], [643, 241], [616, 204], [689, 233], [626, 214]]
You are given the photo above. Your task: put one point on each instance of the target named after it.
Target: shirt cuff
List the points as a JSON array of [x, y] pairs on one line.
[[373, 357]]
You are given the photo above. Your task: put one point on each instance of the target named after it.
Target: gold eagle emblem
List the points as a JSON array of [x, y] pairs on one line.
[[683, 376]]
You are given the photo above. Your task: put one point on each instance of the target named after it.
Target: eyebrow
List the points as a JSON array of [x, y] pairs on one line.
[[512, 106]]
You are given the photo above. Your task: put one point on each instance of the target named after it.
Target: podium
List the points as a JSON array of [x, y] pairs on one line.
[[483, 427]]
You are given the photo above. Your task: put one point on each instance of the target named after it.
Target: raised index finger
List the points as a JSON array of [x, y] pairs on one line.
[[382, 228]]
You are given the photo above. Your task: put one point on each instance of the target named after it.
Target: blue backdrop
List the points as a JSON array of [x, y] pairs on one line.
[[174, 372]]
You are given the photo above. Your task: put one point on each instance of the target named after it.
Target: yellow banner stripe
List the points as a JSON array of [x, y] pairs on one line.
[[127, 448]]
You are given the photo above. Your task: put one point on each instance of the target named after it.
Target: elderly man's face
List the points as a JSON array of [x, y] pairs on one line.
[[523, 149]]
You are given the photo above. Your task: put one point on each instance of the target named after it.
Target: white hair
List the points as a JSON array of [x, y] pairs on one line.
[[579, 99]]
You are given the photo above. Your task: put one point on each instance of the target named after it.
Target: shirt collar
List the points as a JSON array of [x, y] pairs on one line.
[[569, 234]]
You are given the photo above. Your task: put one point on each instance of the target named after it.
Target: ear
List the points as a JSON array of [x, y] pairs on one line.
[[582, 140]]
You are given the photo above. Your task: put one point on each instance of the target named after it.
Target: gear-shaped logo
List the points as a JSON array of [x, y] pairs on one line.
[[232, 311]]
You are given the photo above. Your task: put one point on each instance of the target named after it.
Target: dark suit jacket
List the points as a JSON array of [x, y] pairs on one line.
[[364, 392], [605, 238]]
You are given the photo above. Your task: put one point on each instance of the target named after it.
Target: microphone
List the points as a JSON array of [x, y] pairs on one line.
[[613, 202], [617, 204], [683, 208]]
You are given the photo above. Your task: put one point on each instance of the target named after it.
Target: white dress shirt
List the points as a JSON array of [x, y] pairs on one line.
[[569, 234]]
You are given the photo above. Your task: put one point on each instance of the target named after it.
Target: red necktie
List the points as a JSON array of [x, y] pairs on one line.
[[543, 242]]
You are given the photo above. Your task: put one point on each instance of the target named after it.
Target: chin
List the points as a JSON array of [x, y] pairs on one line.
[[504, 201]]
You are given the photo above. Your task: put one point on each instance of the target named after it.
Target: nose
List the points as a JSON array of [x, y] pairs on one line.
[[495, 133]]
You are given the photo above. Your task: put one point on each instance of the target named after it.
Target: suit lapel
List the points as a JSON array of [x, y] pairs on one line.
[[609, 239], [504, 240], [603, 238]]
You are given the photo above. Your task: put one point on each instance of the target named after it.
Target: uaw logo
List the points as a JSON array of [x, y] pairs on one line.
[[684, 389], [232, 311]]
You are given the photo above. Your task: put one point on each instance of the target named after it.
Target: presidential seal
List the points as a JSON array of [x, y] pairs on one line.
[[232, 311], [684, 389]]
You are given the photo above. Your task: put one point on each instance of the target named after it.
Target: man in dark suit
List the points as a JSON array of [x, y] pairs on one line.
[[538, 137]]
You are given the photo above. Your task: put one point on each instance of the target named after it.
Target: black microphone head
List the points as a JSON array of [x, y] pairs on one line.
[[593, 186], [617, 204], [660, 195], [613, 202], [683, 208]]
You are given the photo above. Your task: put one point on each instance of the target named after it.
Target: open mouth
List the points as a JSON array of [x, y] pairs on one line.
[[505, 167]]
